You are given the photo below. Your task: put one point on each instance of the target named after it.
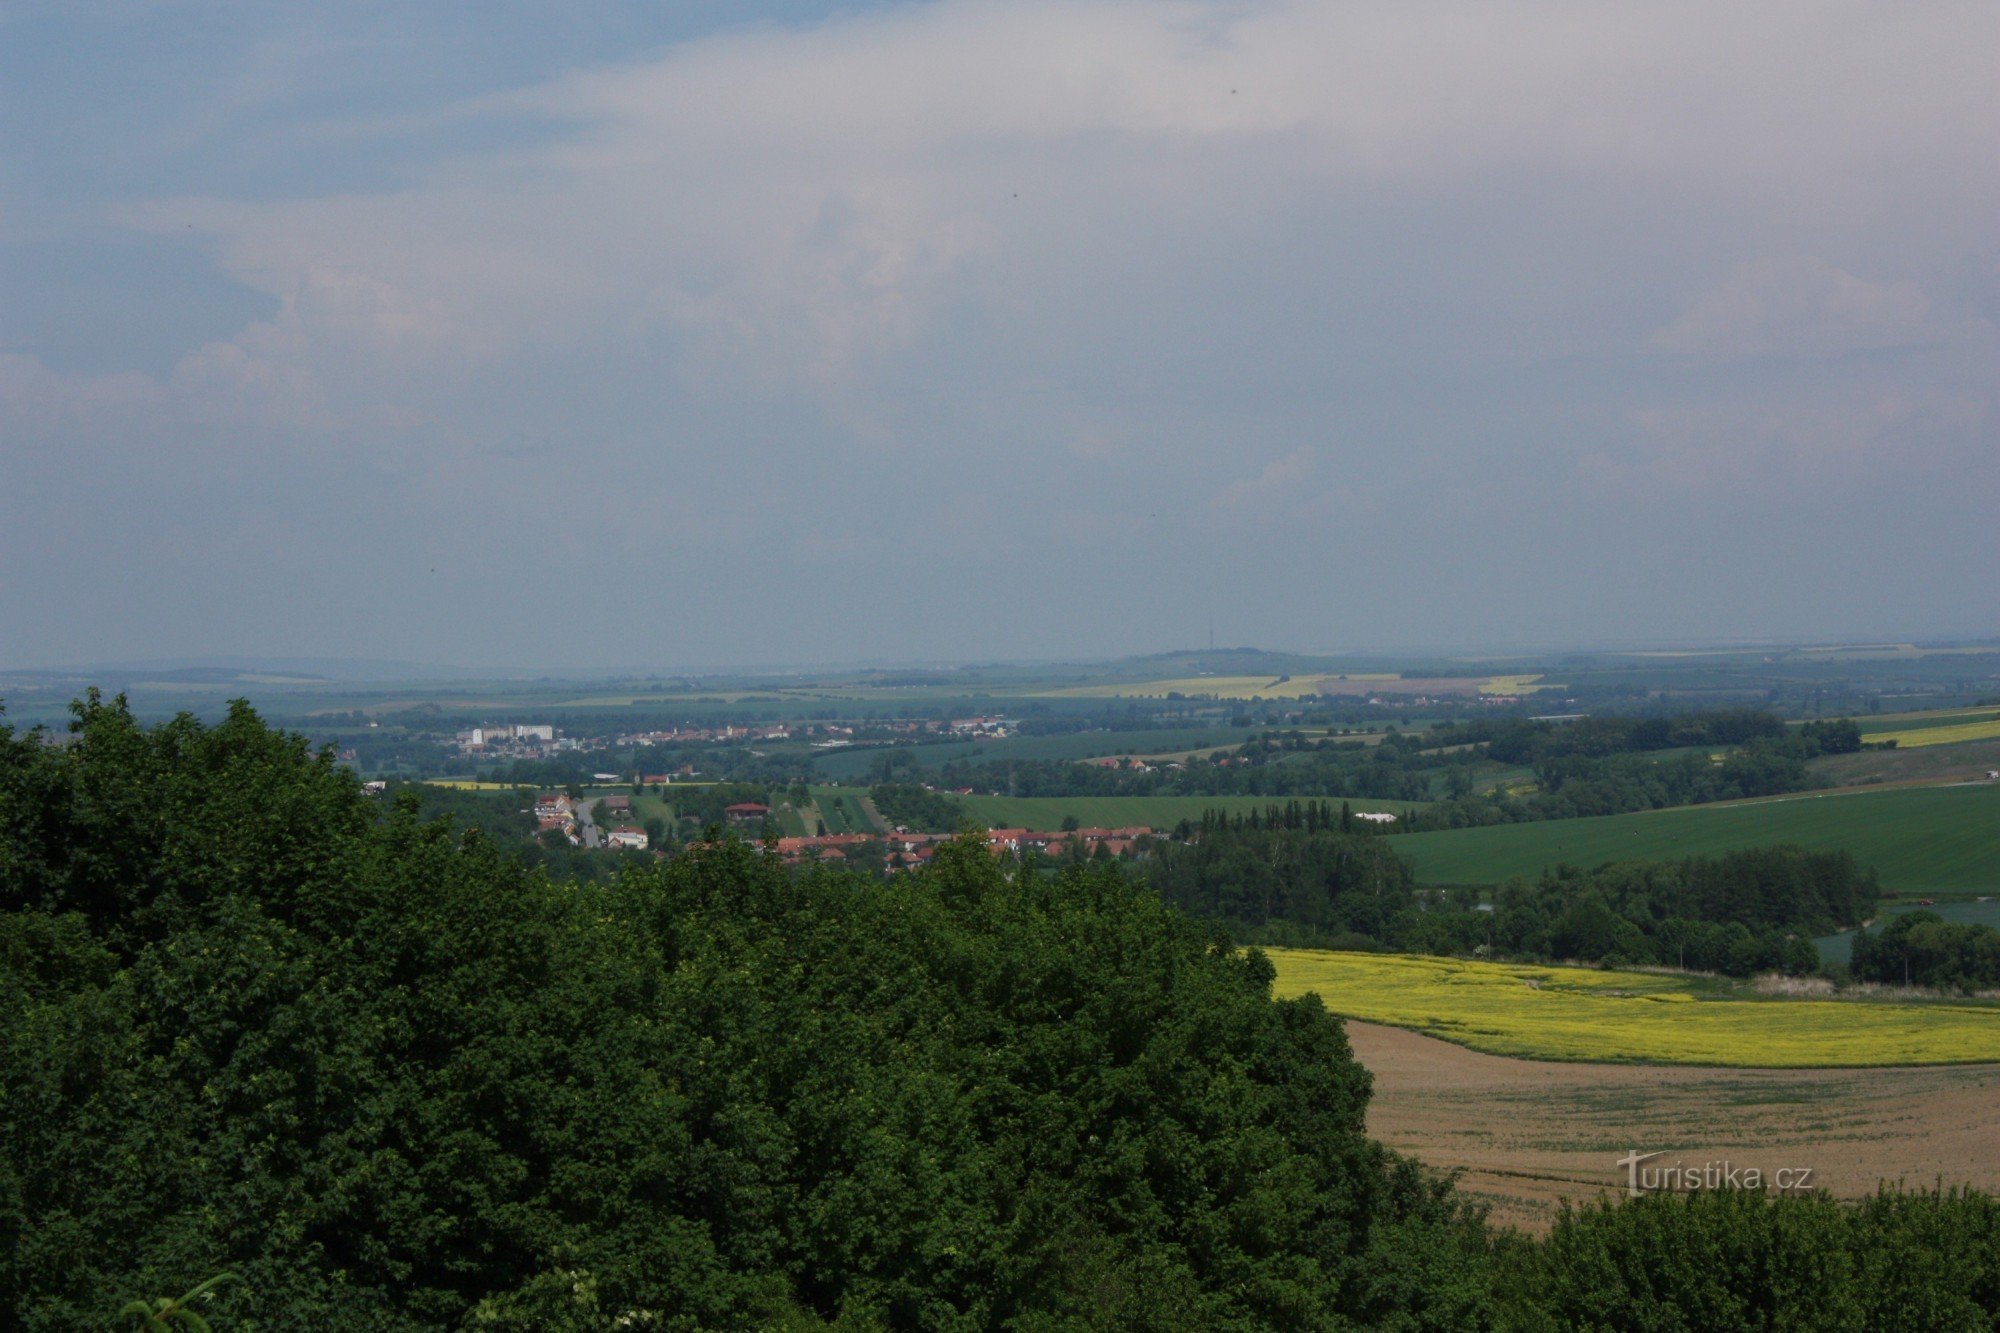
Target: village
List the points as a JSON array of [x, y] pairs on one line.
[[580, 820]]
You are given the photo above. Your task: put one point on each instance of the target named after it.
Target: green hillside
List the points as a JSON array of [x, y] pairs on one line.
[[1917, 837]]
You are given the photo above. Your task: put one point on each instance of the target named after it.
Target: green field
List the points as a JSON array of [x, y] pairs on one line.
[[1917, 838], [841, 810], [1575, 1013], [1160, 812]]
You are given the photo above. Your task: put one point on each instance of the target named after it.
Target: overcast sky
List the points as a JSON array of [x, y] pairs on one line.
[[700, 333]]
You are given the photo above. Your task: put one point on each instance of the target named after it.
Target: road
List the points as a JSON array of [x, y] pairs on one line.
[[586, 825]]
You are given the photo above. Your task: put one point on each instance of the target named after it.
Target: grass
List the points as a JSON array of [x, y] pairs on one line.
[[1160, 812], [1917, 838], [1580, 1014]]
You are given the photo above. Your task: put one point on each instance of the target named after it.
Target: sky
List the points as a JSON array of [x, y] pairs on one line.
[[694, 334]]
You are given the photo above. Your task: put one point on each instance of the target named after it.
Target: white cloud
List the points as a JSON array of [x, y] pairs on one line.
[[1275, 485], [1803, 307]]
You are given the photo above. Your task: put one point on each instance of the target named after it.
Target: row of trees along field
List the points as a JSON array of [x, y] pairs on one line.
[[1923, 949], [1591, 766], [253, 1022], [1303, 874]]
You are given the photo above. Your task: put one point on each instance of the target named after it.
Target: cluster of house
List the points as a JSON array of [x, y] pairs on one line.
[[982, 728], [903, 849], [556, 810], [515, 740], [693, 735], [623, 835]]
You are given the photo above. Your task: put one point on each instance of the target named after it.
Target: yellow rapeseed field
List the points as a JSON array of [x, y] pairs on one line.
[[1964, 731], [1571, 1013], [1516, 685]]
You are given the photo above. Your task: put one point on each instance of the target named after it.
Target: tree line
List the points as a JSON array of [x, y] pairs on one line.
[[1303, 874], [1921, 948]]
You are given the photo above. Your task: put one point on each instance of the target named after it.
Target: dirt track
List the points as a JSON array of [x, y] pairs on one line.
[[1528, 1133]]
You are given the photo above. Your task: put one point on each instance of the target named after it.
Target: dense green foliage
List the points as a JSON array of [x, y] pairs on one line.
[[1923, 949], [907, 805], [699, 806], [1720, 1261], [506, 819], [1739, 913], [396, 1080], [1302, 872]]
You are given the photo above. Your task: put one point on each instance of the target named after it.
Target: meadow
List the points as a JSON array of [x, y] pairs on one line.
[[1917, 838], [1568, 1013], [1160, 812]]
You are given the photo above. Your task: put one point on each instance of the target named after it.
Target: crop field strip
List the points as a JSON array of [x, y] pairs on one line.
[[1924, 718], [1935, 837], [1569, 1013], [1941, 734]]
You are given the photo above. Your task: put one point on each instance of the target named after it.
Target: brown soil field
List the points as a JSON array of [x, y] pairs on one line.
[[1527, 1134]]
